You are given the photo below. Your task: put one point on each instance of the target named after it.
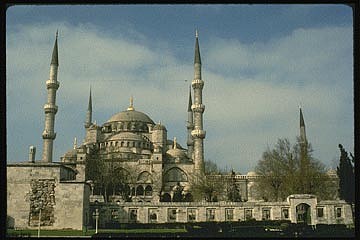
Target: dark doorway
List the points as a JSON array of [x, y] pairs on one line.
[[303, 213]]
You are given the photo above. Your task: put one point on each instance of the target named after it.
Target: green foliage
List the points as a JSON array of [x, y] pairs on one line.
[[233, 192], [108, 178], [205, 188], [345, 172], [288, 169], [212, 168]]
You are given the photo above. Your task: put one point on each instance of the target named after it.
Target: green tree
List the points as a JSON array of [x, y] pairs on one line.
[[212, 168], [345, 172], [233, 192], [94, 170], [207, 186], [288, 169]]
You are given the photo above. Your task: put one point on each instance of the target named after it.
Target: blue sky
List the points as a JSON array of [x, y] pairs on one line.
[[259, 63]]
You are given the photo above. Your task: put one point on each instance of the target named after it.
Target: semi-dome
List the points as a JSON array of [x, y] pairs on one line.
[[251, 173], [176, 153], [131, 116], [126, 136]]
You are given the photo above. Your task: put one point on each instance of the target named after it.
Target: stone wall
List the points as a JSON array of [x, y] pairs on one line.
[[31, 186], [164, 212]]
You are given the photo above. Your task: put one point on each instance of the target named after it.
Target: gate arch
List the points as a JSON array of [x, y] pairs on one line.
[[303, 213]]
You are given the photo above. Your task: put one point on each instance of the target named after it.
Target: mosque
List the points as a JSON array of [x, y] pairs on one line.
[[148, 168]]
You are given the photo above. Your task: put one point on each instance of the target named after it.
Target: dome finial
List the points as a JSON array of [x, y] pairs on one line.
[[174, 142], [75, 143], [131, 107], [196, 33]]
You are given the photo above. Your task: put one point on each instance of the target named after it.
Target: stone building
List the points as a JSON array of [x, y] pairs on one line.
[[298, 208], [136, 148], [151, 168]]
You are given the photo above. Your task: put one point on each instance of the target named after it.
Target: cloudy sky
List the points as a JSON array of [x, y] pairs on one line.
[[259, 62]]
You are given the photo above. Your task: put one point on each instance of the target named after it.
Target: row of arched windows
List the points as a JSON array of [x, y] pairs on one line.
[[126, 126], [141, 191], [137, 144]]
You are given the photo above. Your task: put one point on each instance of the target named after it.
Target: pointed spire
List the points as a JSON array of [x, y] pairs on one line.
[[54, 58], [75, 143], [88, 120], [302, 122], [197, 49], [131, 107], [90, 101], [302, 128], [190, 100]]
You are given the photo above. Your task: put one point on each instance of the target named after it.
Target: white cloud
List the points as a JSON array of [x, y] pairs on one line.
[[251, 91]]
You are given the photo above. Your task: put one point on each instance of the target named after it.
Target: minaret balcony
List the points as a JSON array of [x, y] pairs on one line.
[[50, 108], [48, 135], [189, 125], [198, 133], [197, 83], [198, 108], [52, 84]]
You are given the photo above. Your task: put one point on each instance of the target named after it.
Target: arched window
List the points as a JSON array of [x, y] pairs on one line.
[[140, 190], [132, 191], [175, 175], [144, 177], [148, 190], [166, 197], [188, 197]]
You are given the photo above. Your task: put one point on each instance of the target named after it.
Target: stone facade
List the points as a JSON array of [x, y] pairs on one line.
[[51, 187], [323, 212]]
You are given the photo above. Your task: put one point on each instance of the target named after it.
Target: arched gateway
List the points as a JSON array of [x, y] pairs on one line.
[[303, 213]]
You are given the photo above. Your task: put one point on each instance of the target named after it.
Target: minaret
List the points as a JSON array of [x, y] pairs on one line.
[[302, 128], [190, 127], [50, 108], [88, 121], [198, 109]]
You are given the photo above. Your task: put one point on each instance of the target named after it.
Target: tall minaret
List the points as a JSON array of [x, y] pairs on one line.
[[88, 121], [198, 109], [190, 127], [50, 108], [302, 128]]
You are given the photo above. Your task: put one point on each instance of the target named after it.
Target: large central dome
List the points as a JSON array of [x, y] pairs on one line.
[[131, 116]]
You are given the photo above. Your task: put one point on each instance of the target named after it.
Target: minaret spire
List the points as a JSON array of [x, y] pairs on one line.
[[50, 107], [88, 121], [190, 127], [302, 127], [54, 58], [197, 58], [198, 109]]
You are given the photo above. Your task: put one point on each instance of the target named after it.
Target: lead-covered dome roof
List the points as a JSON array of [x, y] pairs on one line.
[[131, 116]]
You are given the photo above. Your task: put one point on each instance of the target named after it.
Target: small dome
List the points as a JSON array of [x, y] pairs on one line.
[[71, 153], [176, 153], [331, 172], [251, 173], [130, 116], [159, 127], [70, 156]]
